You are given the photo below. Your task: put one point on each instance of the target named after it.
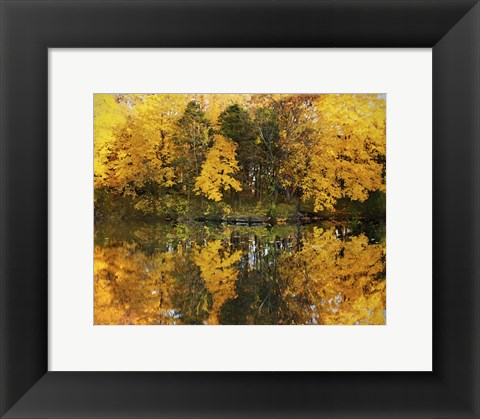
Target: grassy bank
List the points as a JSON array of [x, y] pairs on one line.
[[112, 206]]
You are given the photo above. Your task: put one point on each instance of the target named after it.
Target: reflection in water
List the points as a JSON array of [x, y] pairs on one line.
[[204, 274]]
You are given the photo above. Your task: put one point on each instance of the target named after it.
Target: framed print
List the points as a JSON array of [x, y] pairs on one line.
[[253, 244], [223, 324]]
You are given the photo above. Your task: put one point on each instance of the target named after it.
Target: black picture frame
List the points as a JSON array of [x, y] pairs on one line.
[[29, 28]]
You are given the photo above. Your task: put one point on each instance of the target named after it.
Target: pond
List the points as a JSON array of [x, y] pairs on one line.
[[167, 273]]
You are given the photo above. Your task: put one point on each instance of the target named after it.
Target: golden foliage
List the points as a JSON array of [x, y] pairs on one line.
[[217, 267], [109, 117], [330, 146], [327, 280], [216, 175], [131, 288], [133, 140], [347, 158], [345, 279]]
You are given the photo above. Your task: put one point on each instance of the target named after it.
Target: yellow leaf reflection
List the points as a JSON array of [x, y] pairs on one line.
[[218, 271]]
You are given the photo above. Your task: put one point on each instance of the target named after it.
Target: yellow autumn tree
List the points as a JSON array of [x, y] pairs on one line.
[[145, 145], [152, 130], [218, 169], [297, 139], [334, 146], [134, 140], [348, 156], [110, 115]]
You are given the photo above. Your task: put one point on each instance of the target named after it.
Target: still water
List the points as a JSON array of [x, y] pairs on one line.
[[207, 274]]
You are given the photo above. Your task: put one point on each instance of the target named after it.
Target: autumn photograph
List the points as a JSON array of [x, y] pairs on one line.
[[239, 209]]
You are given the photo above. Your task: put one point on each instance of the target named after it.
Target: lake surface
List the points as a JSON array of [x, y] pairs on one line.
[[206, 274]]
